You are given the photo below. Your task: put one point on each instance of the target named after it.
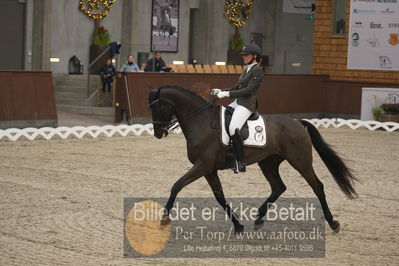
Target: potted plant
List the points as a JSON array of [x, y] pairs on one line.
[[235, 46], [390, 112], [101, 37], [99, 42], [377, 111]]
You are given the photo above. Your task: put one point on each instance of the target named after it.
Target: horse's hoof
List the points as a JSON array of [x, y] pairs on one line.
[[259, 224], [238, 229], [335, 226], [165, 220]]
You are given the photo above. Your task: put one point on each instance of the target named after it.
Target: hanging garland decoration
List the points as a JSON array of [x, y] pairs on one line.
[[96, 9], [236, 12]]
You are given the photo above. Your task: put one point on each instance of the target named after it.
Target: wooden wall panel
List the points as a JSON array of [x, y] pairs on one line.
[[292, 94], [278, 94], [27, 95], [346, 96], [141, 83]]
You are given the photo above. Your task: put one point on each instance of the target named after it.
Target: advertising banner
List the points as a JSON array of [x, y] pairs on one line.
[[373, 35]]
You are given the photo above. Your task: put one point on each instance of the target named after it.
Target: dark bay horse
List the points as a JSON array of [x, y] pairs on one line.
[[288, 139]]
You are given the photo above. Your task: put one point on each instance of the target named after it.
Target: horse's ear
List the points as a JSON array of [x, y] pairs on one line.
[[153, 94], [152, 90]]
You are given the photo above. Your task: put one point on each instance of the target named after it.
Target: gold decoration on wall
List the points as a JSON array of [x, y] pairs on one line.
[[96, 9], [237, 11]]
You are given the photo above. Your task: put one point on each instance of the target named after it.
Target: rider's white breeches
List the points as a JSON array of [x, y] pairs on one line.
[[239, 117]]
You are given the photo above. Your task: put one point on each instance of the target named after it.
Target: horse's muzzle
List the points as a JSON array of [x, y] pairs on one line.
[[161, 132], [165, 132]]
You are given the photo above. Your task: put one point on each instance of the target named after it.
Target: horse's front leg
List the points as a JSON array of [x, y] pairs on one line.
[[193, 174], [214, 182]]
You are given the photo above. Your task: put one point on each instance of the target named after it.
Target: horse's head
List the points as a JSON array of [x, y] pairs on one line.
[[162, 113]]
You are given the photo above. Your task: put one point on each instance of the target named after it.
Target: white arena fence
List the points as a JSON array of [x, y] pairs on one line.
[[14, 134]]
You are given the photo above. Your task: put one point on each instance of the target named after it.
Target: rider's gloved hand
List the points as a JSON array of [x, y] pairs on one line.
[[215, 91], [223, 94]]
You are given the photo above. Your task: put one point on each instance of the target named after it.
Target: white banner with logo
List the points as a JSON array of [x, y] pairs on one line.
[[373, 35]]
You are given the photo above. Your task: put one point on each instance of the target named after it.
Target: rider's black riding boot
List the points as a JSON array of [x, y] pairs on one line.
[[238, 149]]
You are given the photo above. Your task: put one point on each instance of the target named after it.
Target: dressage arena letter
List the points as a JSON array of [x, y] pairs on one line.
[[292, 213]]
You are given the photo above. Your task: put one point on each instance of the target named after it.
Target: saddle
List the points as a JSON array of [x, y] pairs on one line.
[[253, 132], [244, 132]]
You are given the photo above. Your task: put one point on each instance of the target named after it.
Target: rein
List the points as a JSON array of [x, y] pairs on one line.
[[173, 123], [205, 106]]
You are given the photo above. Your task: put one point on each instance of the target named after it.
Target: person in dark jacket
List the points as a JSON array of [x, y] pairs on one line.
[[155, 64], [244, 93], [107, 72]]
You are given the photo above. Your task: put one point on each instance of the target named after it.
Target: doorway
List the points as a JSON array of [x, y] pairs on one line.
[[12, 30]]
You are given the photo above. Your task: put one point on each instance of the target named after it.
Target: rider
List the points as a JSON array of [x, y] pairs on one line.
[[244, 93]]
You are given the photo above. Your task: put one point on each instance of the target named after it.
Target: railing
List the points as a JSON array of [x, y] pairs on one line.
[[88, 95], [13, 134]]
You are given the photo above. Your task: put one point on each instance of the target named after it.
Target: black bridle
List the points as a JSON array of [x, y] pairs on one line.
[[165, 123], [172, 123]]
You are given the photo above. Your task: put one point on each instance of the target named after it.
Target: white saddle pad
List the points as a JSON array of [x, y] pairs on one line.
[[257, 131]]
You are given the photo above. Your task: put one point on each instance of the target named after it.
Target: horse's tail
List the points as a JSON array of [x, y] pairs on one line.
[[341, 173]]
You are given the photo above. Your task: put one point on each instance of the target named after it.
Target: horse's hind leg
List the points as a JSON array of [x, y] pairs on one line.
[[269, 169], [303, 165], [214, 182]]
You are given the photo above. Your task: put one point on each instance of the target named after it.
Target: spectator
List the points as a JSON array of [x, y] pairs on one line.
[[155, 64], [107, 72], [130, 65]]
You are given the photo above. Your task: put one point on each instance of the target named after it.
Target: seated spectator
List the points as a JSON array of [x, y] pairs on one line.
[[130, 65], [107, 72], [155, 64]]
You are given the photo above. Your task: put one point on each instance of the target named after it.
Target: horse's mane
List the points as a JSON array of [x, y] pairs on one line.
[[185, 91]]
